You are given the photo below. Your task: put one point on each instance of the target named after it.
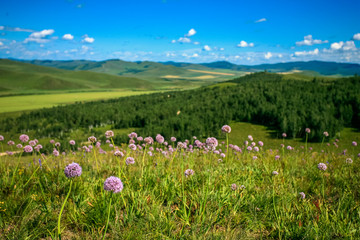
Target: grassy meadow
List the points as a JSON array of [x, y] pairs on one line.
[[234, 193]]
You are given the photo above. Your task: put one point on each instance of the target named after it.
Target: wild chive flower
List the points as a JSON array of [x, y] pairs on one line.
[[28, 149], [132, 147], [226, 129], [73, 170], [109, 134], [249, 148], [32, 143], [139, 139], [113, 184], [354, 143], [1, 138], [302, 195], [19, 145], [250, 138], [284, 135], [160, 139], [256, 149], [349, 160], [133, 135], [52, 141], [173, 139], [322, 166], [246, 143], [289, 148], [234, 186], [261, 144], [131, 141], [189, 172], [56, 153], [24, 138], [277, 157], [129, 161], [326, 134], [57, 144], [72, 142], [117, 153], [149, 140], [255, 157], [307, 130], [92, 139], [222, 155], [275, 173], [211, 142], [10, 143], [98, 144], [38, 147]]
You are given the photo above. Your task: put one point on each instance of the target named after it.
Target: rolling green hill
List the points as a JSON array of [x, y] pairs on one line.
[[19, 76]]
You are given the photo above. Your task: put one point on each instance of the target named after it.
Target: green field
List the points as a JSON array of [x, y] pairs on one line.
[[31, 102]]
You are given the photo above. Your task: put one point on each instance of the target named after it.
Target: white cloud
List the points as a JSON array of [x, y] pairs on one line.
[[261, 20], [184, 40], [68, 36], [173, 41], [305, 53], [1, 44], [196, 43], [356, 36], [1, 27], [245, 44], [195, 55], [42, 34], [268, 55], [309, 41], [222, 49], [207, 48], [88, 39], [346, 46], [191, 32]]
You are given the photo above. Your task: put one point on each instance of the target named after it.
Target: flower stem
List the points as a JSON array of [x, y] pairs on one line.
[[62, 208], [108, 217]]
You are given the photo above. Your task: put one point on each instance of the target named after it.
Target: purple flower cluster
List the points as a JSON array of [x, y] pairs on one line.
[[160, 139], [322, 166], [113, 184], [189, 172], [73, 170], [72, 142], [129, 161], [326, 134], [1, 138], [109, 134], [211, 142], [226, 129], [149, 140], [92, 139], [133, 135], [28, 149], [307, 130], [302, 195], [275, 173], [118, 153], [24, 138]]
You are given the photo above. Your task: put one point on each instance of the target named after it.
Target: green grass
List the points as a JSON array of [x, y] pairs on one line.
[[31, 102], [161, 203]]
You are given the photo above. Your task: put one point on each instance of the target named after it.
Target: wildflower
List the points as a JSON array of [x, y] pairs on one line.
[[181, 145], [52, 141], [57, 144], [261, 144], [109, 134], [56, 153], [249, 148], [149, 140], [133, 135], [282, 145], [211, 142], [307, 130], [139, 139], [226, 129], [132, 147], [242, 187], [92, 139], [302, 195], [275, 173], [72, 142], [277, 157], [256, 149], [24, 138], [284, 135], [255, 157], [246, 143], [289, 148], [118, 153], [160, 139], [234, 186], [131, 141], [19, 145], [349, 160], [113, 184], [107, 141], [250, 138], [1, 138], [150, 153], [32, 143], [354, 143], [98, 144], [38, 147], [129, 161], [110, 145], [326, 134], [220, 160], [151, 148], [222, 155], [322, 166], [73, 170], [173, 139], [28, 149], [166, 143], [189, 172]]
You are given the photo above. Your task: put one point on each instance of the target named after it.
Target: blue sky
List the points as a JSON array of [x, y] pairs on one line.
[[242, 32]]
